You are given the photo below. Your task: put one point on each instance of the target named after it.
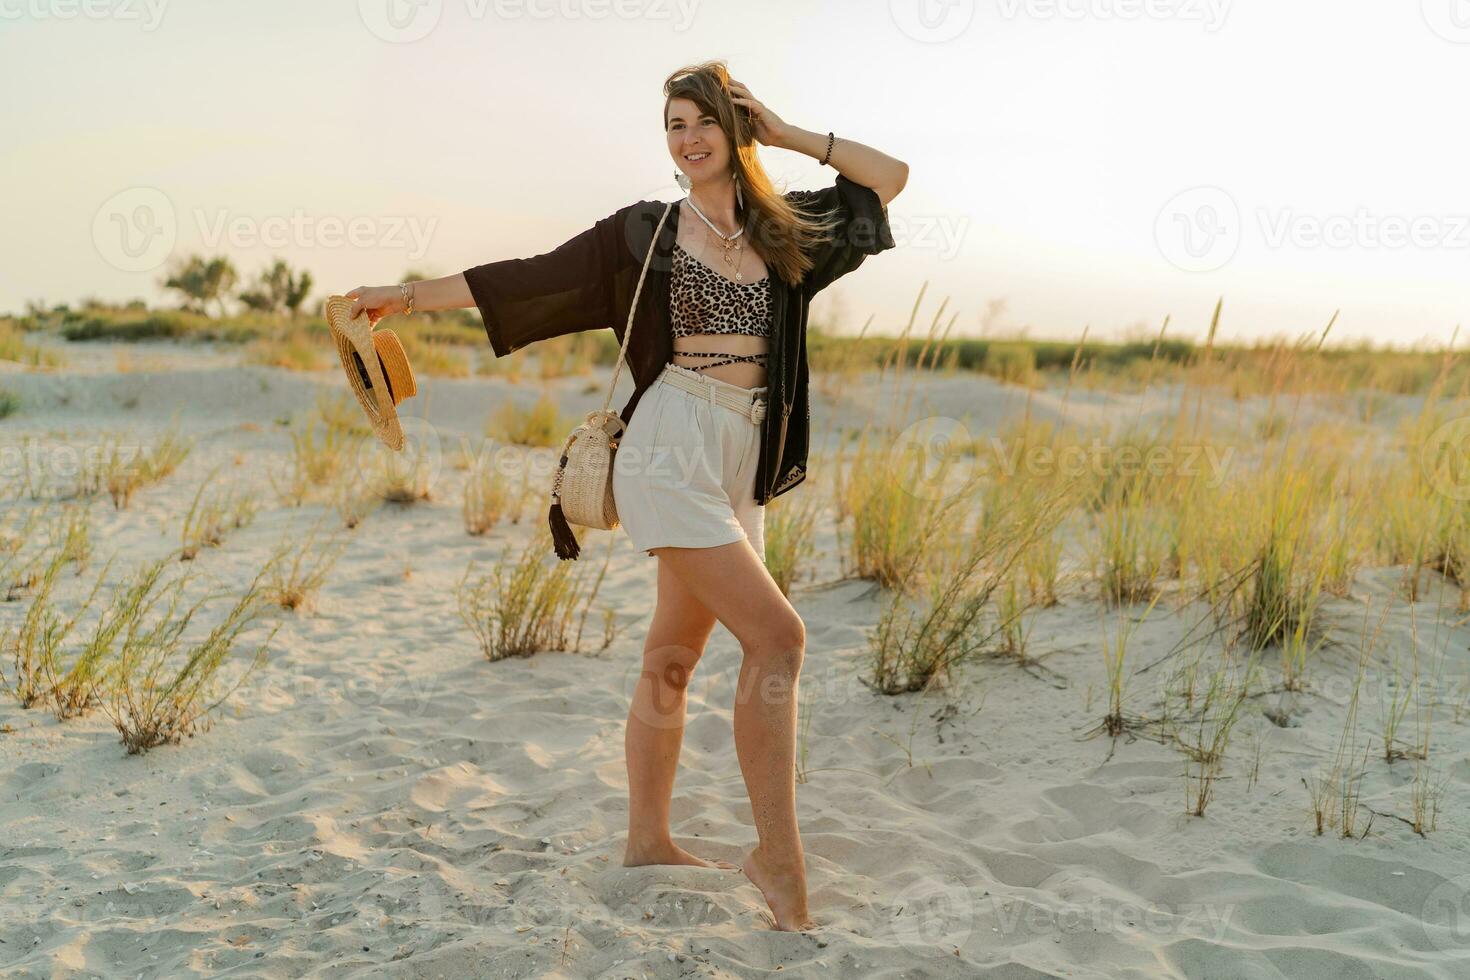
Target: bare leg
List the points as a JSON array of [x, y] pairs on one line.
[[655, 732], [734, 584]]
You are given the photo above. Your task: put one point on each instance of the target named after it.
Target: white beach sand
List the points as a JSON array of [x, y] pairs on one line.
[[379, 800]]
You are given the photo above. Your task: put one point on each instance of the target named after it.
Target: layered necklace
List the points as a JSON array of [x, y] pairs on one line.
[[732, 253]]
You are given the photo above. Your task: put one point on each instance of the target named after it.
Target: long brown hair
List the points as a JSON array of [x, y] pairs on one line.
[[779, 232]]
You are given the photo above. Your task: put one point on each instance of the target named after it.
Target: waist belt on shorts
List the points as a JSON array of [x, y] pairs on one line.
[[752, 406]]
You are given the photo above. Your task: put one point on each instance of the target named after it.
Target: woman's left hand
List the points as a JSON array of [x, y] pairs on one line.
[[767, 127]]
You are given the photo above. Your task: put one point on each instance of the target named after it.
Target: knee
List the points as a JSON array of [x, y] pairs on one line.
[[781, 643], [671, 665]]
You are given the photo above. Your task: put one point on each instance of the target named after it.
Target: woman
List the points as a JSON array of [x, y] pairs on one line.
[[720, 351]]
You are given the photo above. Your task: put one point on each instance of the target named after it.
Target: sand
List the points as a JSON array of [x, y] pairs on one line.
[[379, 800]]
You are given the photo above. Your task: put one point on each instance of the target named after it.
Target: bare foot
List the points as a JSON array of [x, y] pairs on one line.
[[784, 891], [667, 853]]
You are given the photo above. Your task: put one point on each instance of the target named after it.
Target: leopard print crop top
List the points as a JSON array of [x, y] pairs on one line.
[[702, 301]]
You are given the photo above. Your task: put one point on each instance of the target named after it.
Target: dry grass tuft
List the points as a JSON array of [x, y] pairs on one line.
[[124, 473], [322, 449], [33, 649], [293, 577], [295, 349], [403, 478], [540, 425], [790, 546], [210, 519], [527, 605], [918, 645], [163, 688], [488, 499]]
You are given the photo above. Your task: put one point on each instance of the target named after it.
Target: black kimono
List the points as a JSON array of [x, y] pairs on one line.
[[587, 283]]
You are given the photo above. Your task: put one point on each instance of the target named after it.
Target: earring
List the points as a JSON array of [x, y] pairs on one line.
[[682, 179], [739, 197]]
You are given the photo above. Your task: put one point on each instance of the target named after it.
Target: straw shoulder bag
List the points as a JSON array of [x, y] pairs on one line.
[[582, 489]]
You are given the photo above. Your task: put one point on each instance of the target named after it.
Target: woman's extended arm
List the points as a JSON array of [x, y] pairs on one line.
[[523, 300], [560, 292], [444, 293]]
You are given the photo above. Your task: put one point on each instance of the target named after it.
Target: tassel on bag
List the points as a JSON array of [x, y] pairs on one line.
[[561, 533], [562, 537]]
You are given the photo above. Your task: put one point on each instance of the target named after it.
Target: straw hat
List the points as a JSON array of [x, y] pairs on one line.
[[377, 369]]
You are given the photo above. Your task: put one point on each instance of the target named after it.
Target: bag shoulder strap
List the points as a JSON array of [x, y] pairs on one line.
[[633, 307]]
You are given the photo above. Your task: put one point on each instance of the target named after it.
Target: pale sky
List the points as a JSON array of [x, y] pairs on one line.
[[1074, 163]]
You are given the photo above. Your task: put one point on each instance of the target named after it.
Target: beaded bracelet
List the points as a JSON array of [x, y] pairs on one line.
[[828, 155]]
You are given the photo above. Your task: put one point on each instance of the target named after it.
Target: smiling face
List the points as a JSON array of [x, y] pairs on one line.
[[698, 145]]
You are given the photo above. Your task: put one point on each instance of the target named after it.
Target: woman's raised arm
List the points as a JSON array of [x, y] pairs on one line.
[[856, 161]]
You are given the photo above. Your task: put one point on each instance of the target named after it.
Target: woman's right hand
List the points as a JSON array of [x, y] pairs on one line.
[[379, 301]]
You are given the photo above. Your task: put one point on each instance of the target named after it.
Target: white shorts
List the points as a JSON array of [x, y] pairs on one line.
[[684, 472]]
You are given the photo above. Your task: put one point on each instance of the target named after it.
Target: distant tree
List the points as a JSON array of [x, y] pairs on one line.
[[202, 280], [278, 290]]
